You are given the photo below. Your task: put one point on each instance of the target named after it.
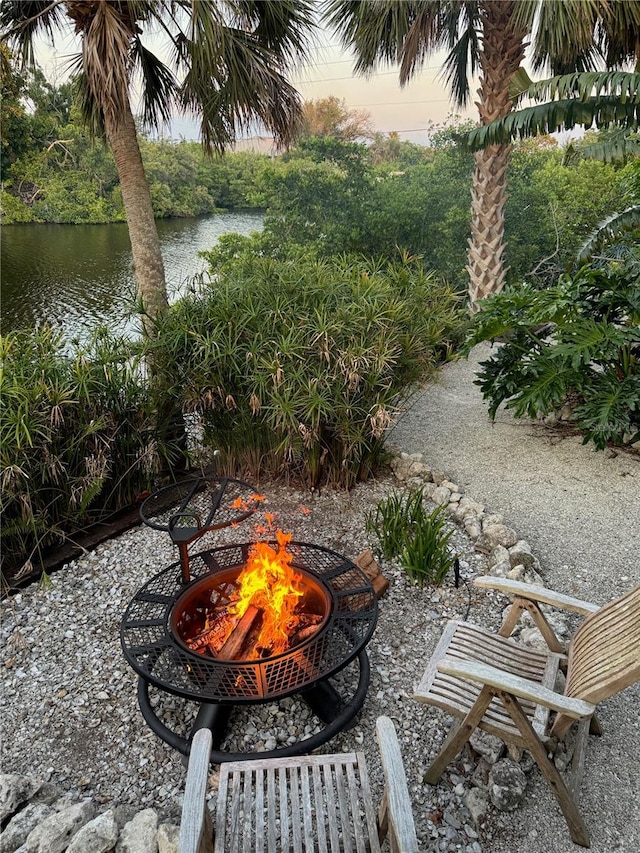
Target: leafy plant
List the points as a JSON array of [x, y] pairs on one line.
[[76, 438], [576, 343], [296, 367], [416, 538]]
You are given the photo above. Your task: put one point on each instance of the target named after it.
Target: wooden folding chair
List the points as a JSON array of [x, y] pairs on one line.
[[508, 689], [308, 803]]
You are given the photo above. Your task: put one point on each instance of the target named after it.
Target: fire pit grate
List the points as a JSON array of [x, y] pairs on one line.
[[159, 656]]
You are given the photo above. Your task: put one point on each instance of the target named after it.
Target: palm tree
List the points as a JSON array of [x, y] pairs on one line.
[[228, 60], [489, 37]]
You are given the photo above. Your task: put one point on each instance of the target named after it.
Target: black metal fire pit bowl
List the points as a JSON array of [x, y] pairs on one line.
[[154, 648]]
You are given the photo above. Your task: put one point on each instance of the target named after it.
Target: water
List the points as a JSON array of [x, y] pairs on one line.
[[80, 275]]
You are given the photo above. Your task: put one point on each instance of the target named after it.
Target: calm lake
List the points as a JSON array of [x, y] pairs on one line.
[[80, 275]]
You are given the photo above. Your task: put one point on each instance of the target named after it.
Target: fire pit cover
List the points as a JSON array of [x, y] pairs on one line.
[[155, 652]]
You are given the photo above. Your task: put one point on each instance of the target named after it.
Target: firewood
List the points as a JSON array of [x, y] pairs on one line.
[[213, 635], [302, 634], [366, 562], [232, 648]]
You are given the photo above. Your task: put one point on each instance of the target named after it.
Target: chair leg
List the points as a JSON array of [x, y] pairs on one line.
[[595, 728], [548, 769], [458, 736], [383, 817], [511, 619]]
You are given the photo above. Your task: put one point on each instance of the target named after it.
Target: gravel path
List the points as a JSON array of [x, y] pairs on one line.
[[69, 709]]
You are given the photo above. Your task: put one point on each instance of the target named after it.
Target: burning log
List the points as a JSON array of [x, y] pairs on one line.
[[215, 635], [232, 647], [307, 626]]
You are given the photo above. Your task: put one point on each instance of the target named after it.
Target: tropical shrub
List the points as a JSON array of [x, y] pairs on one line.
[[576, 344], [296, 367], [417, 539], [76, 438]]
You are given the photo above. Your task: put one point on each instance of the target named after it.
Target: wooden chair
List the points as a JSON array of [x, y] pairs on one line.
[[508, 689], [309, 803]]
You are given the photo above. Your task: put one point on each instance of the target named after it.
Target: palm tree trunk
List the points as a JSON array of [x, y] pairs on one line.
[[503, 51], [148, 266]]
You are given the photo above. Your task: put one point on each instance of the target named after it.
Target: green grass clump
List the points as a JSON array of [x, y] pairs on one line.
[[297, 367], [417, 539]]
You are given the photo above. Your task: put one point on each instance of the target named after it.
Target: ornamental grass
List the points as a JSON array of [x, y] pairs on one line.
[[298, 367]]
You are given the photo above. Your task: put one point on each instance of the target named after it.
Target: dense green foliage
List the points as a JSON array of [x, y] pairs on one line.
[[327, 195], [76, 438], [575, 344], [53, 172], [296, 367], [418, 539], [74, 181]]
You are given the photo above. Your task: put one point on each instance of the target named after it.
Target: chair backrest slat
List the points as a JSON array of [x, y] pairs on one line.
[[604, 654]]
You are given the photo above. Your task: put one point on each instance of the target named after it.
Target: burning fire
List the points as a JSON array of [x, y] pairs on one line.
[[269, 611], [268, 583]]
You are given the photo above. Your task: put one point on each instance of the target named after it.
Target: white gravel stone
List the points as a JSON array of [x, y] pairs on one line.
[[90, 739]]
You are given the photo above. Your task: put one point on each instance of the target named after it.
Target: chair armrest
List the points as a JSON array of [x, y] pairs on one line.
[[400, 816], [196, 830], [536, 593], [517, 686]]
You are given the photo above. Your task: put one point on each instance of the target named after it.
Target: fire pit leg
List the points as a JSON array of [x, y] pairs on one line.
[[212, 716], [324, 700]]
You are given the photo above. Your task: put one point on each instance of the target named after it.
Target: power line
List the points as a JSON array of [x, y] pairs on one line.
[[358, 76], [399, 103]]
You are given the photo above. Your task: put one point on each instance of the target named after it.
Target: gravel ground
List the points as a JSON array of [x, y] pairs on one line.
[[70, 713]]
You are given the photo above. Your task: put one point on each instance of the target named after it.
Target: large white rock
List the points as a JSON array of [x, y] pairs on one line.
[[54, 834], [14, 791], [441, 495], [520, 554], [488, 746], [496, 534], [507, 785], [140, 835], [97, 836], [168, 835], [21, 824]]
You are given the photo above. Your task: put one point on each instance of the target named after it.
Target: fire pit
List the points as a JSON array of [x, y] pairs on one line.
[[215, 641]]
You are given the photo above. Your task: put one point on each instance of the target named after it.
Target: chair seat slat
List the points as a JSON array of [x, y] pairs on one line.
[[321, 805]]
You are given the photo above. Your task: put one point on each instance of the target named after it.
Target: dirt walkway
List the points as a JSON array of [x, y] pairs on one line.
[[580, 511]]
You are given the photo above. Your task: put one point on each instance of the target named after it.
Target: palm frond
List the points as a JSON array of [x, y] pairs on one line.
[[563, 34], [519, 84], [456, 67], [376, 32], [281, 26], [425, 34], [245, 84], [618, 146], [609, 229], [21, 21], [160, 86], [624, 85], [554, 116]]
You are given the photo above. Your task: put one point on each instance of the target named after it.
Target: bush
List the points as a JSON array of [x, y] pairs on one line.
[[76, 438], [296, 367], [575, 344], [417, 539]]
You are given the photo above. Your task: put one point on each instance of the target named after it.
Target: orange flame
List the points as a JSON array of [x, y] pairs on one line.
[[269, 583]]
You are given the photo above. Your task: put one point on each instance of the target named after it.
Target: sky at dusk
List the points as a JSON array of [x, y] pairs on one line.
[[408, 111]]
